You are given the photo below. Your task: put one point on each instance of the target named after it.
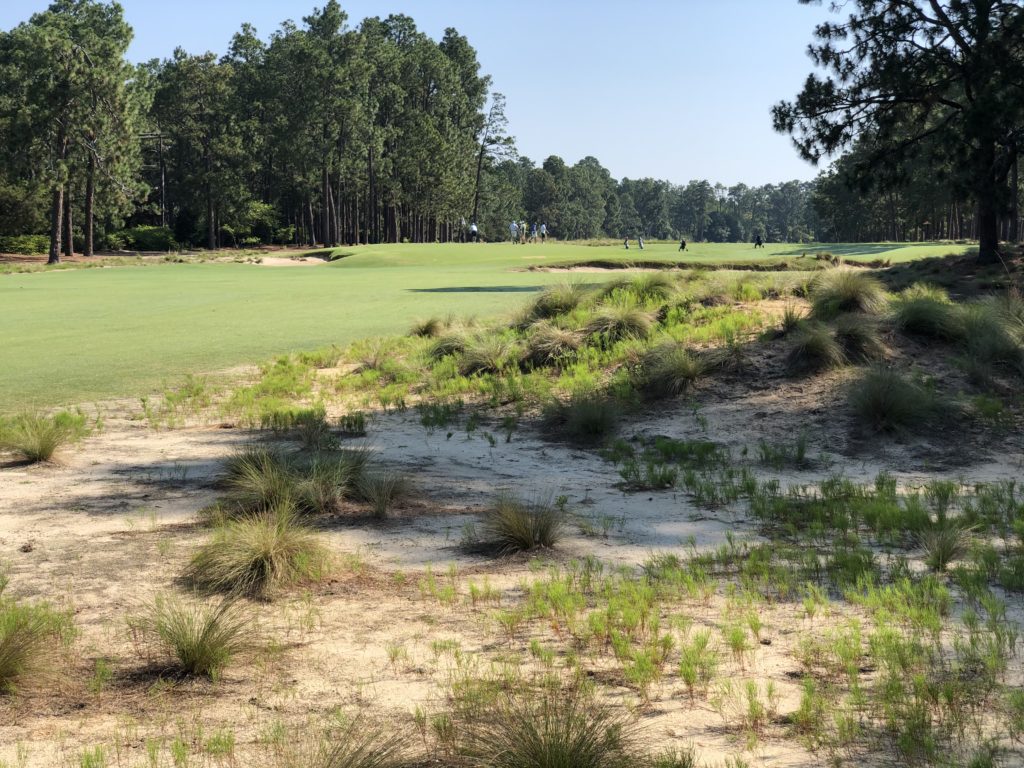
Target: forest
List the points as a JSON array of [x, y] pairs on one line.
[[329, 132]]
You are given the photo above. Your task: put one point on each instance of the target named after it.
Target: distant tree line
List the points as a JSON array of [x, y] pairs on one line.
[[328, 134]]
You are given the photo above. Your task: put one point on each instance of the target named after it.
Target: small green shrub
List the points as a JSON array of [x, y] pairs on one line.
[[25, 245], [36, 437], [548, 344], [669, 370], [513, 524], [586, 418], [859, 337], [147, 238], [253, 556], [198, 638], [29, 637], [845, 289], [814, 348], [885, 400], [382, 488]]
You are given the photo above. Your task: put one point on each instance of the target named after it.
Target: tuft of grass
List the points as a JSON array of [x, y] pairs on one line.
[[556, 300], [926, 310], [618, 321], [885, 400], [555, 729], [548, 344], [382, 488], [448, 344], [513, 524], [36, 437], [792, 319], [199, 639], [257, 479], [652, 286], [943, 543], [859, 337], [669, 370], [988, 338], [355, 746], [255, 555], [814, 348], [29, 637], [586, 418], [844, 289], [432, 327], [487, 353]]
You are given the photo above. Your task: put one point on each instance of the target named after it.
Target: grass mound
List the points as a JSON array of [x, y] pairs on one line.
[[926, 310], [885, 400], [554, 729], [35, 437], [199, 639], [814, 348], [618, 321], [29, 637], [256, 555], [669, 370], [835, 291], [513, 524], [859, 337], [556, 300], [550, 345], [586, 418]]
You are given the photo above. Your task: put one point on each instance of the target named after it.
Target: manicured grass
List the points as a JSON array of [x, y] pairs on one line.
[[74, 336]]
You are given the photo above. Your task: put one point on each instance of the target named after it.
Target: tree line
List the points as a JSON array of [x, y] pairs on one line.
[[326, 133]]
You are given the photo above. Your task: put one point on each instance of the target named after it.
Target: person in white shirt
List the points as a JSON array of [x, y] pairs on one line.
[[513, 231]]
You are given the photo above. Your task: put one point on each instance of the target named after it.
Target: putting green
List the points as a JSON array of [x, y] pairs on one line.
[[76, 336]]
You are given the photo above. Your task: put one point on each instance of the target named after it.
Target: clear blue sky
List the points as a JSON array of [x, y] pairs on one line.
[[674, 89]]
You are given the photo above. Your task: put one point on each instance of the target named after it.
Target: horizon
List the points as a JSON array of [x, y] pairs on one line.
[[686, 112]]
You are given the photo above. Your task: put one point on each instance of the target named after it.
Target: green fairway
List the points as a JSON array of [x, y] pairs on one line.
[[81, 335]]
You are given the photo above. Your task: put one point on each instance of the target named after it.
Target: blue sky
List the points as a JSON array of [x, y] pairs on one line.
[[674, 89]]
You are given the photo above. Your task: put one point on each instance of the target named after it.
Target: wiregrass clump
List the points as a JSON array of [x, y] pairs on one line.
[[554, 729], [586, 418], [926, 310], [859, 337], [556, 300], [36, 437], [618, 321], [256, 479], [669, 370], [256, 555], [814, 348], [30, 636], [197, 639], [513, 524], [355, 745], [884, 400], [382, 489], [547, 344], [844, 289], [488, 353]]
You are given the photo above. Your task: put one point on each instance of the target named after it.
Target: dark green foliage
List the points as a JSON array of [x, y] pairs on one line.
[[199, 639], [669, 370], [586, 418], [143, 238], [884, 400], [26, 245], [254, 556], [513, 524], [812, 347], [553, 729], [835, 291]]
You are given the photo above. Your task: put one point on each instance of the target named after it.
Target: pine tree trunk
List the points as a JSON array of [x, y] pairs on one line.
[[1015, 198], [56, 223], [69, 241], [325, 217], [90, 198], [211, 223]]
